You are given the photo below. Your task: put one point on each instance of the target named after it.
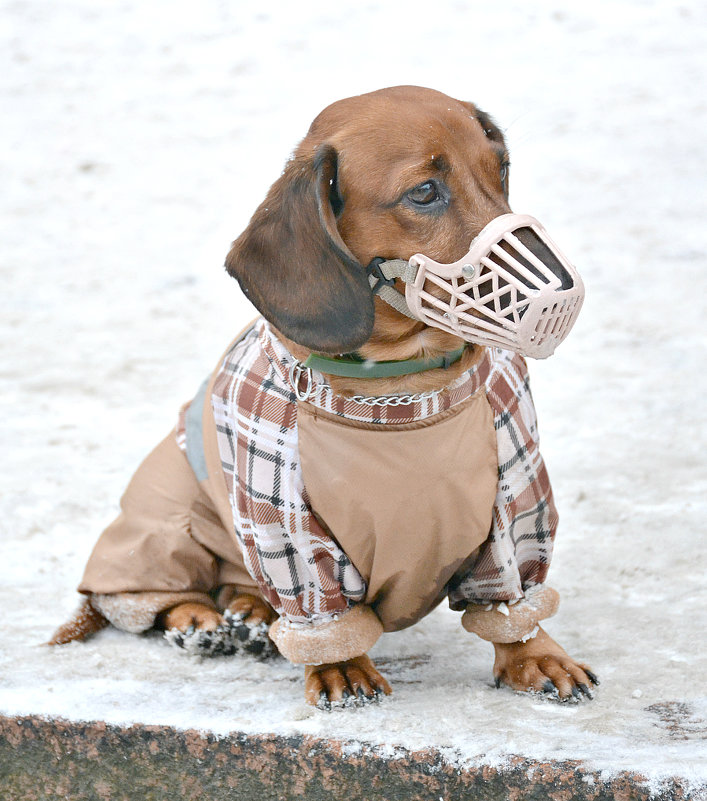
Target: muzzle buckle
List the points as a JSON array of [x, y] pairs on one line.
[[375, 275]]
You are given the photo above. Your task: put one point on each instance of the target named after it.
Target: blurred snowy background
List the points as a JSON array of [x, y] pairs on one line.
[[136, 138]]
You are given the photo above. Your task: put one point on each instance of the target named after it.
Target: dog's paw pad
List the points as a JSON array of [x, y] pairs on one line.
[[256, 647], [241, 632], [233, 637], [201, 643], [249, 639]]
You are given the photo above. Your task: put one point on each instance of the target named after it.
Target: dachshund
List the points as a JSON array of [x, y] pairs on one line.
[[379, 434]]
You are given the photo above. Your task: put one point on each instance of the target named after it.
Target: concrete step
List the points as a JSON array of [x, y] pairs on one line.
[[50, 758]]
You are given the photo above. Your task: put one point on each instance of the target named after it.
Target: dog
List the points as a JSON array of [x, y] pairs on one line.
[[350, 462]]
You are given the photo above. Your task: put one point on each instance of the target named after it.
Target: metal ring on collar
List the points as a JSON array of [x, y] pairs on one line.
[[297, 370]]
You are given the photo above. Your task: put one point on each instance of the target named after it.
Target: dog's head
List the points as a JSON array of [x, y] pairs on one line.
[[386, 174]]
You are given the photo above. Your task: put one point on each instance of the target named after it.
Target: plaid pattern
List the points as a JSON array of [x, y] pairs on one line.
[[301, 570], [428, 405], [518, 550]]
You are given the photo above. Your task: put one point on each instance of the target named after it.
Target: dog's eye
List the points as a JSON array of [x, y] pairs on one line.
[[424, 194], [504, 177]]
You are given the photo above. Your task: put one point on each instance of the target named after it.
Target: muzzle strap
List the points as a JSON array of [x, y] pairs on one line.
[[381, 277]]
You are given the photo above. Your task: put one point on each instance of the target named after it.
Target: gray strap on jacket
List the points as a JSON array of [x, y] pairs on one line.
[[193, 423], [195, 434]]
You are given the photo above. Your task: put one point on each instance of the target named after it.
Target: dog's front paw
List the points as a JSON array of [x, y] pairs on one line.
[[250, 609], [540, 665], [202, 631], [352, 683], [249, 636], [249, 618], [196, 628]]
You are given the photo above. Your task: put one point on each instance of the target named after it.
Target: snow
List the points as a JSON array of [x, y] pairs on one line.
[[136, 140]]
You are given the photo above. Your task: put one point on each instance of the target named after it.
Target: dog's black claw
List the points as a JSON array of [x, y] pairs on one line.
[[323, 702], [549, 688], [179, 641], [380, 695], [584, 689], [593, 678], [376, 696], [576, 694], [497, 682]]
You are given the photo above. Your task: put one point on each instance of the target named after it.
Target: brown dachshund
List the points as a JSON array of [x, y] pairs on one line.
[[384, 175]]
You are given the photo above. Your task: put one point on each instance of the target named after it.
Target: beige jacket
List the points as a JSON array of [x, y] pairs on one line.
[[348, 517]]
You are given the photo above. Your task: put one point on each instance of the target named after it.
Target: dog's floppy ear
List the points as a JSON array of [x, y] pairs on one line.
[[295, 268]]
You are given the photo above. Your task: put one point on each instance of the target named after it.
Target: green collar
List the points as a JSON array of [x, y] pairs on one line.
[[359, 368]]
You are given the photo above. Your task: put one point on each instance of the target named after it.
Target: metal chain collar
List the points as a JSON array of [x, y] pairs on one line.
[[297, 370]]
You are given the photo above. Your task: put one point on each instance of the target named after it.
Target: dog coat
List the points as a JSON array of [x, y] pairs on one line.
[[346, 505]]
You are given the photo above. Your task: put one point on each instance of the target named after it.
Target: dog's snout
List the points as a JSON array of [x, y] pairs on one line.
[[513, 288], [530, 245]]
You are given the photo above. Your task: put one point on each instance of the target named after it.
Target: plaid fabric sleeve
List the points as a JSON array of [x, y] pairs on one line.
[[517, 553], [300, 569]]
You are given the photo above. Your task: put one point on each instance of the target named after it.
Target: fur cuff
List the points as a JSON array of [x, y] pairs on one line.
[[136, 612], [510, 622], [349, 635]]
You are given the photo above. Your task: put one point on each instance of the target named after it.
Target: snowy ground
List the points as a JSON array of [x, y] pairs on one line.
[[135, 140]]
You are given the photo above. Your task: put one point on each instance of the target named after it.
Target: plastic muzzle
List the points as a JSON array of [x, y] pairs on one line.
[[514, 289]]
